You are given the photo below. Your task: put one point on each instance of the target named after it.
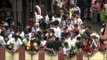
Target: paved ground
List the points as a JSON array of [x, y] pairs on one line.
[[95, 27]]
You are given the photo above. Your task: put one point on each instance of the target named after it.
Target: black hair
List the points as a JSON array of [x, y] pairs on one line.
[[45, 37], [88, 27], [56, 22], [65, 43], [78, 38], [52, 30]]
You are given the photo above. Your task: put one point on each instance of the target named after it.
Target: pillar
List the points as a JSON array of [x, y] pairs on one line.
[[2, 53]]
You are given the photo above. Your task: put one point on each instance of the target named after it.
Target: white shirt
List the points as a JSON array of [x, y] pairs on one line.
[[72, 42], [25, 41], [35, 29], [78, 21], [57, 32], [81, 31], [65, 50], [43, 43], [10, 36], [15, 43], [58, 19]]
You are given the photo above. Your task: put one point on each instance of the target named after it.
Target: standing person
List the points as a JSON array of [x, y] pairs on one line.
[[105, 6], [102, 13], [94, 12], [57, 29], [82, 4], [88, 2], [78, 19], [99, 10]]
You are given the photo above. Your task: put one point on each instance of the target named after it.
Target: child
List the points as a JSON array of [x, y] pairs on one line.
[[78, 19]]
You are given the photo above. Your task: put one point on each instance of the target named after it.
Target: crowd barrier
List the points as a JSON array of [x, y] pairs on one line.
[[22, 54]]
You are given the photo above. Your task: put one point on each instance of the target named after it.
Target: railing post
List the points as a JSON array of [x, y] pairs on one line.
[[2, 53], [80, 56], [60, 55], [41, 54], [22, 53]]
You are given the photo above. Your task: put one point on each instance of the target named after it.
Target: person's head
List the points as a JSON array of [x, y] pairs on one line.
[[4, 28], [36, 25], [44, 37], [52, 31], [9, 31], [32, 34], [56, 23], [73, 17], [51, 38], [76, 26], [67, 14], [16, 37], [66, 44], [77, 15], [95, 2], [88, 28], [83, 26], [61, 10], [37, 37], [27, 36], [50, 21], [68, 35], [65, 29]]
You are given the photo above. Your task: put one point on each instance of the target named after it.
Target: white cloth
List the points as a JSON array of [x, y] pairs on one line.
[[78, 21], [72, 42], [47, 18], [16, 43], [35, 29], [2, 42], [65, 50], [58, 19], [95, 34], [57, 32], [81, 31], [25, 41], [37, 17], [10, 36], [39, 9], [43, 43]]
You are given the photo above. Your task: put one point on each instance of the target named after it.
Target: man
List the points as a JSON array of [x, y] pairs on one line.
[[88, 2], [36, 28], [82, 4], [57, 29], [14, 43]]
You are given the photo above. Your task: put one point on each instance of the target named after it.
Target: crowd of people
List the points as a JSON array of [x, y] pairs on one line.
[[63, 30]]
